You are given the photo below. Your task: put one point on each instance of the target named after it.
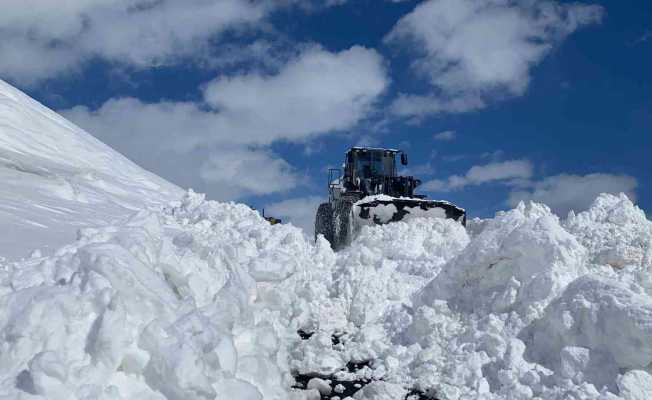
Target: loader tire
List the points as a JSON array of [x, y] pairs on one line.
[[324, 222], [343, 224]]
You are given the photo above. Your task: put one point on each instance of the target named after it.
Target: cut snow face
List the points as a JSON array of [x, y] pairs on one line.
[[57, 178]]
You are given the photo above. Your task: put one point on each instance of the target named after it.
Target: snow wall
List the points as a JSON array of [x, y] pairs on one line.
[[57, 178], [203, 300]]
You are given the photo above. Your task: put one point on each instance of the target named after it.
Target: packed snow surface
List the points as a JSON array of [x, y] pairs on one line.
[[204, 300]]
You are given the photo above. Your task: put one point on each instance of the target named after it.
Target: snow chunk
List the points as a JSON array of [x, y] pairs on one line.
[[635, 385], [321, 385], [379, 390], [615, 232], [518, 262], [610, 318]]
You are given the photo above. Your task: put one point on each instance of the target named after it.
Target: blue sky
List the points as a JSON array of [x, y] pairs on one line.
[[495, 101]]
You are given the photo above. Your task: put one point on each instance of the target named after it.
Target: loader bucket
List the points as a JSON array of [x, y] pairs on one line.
[[385, 209]]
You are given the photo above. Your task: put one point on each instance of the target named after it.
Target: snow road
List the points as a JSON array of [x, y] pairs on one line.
[[203, 300]]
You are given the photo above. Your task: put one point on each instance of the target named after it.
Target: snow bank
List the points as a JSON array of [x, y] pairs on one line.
[[522, 309], [188, 303], [203, 300]]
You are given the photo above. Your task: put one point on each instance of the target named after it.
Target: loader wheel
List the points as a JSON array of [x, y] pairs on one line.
[[324, 222], [343, 223]]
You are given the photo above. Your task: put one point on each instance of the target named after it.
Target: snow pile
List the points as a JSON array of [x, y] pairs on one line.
[[597, 328], [203, 300], [520, 310], [386, 263], [373, 278], [188, 303], [615, 232], [519, 261]]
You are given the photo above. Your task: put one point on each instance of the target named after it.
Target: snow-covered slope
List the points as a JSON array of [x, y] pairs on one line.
[[56, 178]]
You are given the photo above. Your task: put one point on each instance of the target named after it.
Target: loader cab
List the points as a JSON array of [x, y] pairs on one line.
[[363, 163], [370, 171]]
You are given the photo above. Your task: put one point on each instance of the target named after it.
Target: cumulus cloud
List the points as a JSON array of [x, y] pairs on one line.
[[248, 171], [318, 92], [506, 171], [225, 137], [299, 211], [472, 51], [445, 136], [43, 38], [563, 193]]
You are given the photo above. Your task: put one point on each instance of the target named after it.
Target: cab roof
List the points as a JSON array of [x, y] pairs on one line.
[[357, 148]]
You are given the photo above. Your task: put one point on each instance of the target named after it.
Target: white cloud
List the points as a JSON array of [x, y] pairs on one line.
[[417, 106], [514, 171], [42, 38], [644, 37], [299, 211], [248, 172], [499, 171], [474, 50], [218, 147], [318, 92], [445, 136], [563, 193], [418, 170]]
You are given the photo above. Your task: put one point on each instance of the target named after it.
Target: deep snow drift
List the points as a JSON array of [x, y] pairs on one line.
[[57, 178], [204, 300], [168, 305]]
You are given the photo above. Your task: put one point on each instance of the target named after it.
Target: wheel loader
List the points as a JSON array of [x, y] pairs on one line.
[[369, 191]]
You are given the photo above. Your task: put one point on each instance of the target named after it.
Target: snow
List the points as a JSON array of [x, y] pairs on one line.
[[135, 291], [605, 317], [381, 391], [519, 261], [635, 385], [57, 178], [322, 386], [166, 305], [615, 232]]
